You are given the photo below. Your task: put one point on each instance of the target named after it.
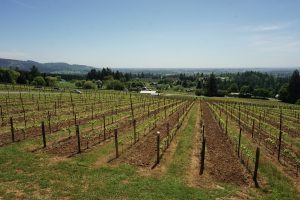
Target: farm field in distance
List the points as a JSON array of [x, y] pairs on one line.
[[103, 144]]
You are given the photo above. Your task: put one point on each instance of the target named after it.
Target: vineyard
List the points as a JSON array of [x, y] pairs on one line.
[[121, 145]]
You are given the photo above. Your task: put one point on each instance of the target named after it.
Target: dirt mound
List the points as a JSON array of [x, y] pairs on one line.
[[225, 166]]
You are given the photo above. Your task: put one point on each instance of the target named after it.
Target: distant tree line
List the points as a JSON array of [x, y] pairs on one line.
[[245, 84], [33, 77], [252, 84], [115, 80]]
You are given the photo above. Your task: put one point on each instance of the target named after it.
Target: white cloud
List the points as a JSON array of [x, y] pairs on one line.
[[267, 27]]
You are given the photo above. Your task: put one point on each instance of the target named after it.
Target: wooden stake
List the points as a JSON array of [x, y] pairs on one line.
[[116, 143], [239, 145], [239, 115], [132, 114], [280, 135], [256, 167], [43, 134], [157, 147], [12, 129], [202, 155]]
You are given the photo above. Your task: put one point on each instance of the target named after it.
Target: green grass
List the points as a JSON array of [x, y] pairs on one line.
[[36, 176], [178, 167], [33, 176]]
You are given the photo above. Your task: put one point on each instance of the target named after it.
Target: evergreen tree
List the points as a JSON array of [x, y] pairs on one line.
[[294, 87], [34, 72], [199, 84], [211, 86], [284, 92], [233, 88]]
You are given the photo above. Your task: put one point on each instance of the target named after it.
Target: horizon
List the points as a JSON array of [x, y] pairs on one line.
[[143, 34], [168, 68]]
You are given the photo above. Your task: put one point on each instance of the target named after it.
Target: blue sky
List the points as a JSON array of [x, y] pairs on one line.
[[152, 33]]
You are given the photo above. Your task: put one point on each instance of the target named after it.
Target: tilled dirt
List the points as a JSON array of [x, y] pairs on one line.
[[224, 164], [144, 152]]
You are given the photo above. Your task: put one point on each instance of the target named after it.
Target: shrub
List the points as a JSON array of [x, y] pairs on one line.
[[115, 85], [261, 92], [79, 83], [39, 80], [89, 85]]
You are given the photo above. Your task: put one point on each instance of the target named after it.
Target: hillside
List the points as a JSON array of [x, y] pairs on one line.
[[58, 67]]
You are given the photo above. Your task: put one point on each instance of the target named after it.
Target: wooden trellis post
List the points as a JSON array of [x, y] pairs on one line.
[[116, 143], [43, 134], [239, 115], [132, 113], [239, 145], [202, 156], [280, 135], [256, 167], [202, 153], [12, 129], [157, 147]]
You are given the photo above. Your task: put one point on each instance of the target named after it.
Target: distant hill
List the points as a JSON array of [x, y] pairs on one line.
[[53, 68], [65, 68]]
